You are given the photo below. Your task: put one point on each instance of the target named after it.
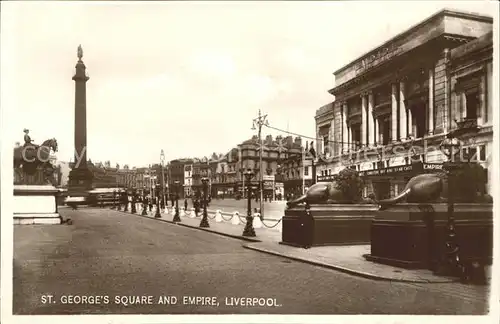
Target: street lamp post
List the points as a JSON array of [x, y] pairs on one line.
[[176, 216], [204, 220], [249, 230], [133, 209], [125, 200], [452, 264], [118, 206], [162, 160], [114, 200], [260, 121]]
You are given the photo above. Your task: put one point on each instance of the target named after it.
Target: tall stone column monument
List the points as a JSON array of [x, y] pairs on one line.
[[80, 177]]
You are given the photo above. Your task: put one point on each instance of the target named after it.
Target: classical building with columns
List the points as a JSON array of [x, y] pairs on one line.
[[395, 104]]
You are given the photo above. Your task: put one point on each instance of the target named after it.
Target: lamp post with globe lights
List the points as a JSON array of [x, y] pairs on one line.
[[176, 216], [204, 220], [451, 146], [249, 230]]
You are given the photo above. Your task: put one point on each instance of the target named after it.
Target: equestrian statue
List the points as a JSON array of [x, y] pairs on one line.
[[30, 158]]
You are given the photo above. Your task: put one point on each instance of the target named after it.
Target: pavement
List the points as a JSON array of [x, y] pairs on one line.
[[348, 258], [105, 257]]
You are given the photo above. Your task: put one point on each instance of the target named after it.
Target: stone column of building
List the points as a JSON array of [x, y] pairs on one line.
[[349, 138], [371, 122], [331, 144], [394, 112], [482, 100], [430, 118], [363, 119], [344, 126], [377, 130], [447, 118], [403, 122], [409, 118], [489, 93]]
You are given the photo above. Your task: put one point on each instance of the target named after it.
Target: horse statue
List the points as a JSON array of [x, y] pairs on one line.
[[31, 157]]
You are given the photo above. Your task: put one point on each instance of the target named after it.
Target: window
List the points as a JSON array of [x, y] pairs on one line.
[[482, 152], [356, 136], [306, 171], [471, 105], [329, 171], [474, 153], [325, 145], [419, 122]]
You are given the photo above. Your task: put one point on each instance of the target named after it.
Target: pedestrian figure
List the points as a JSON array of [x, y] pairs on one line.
[[196, 207], [185, 204], [27, 138]]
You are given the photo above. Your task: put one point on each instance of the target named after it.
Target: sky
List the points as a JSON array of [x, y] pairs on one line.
[[185, 77]]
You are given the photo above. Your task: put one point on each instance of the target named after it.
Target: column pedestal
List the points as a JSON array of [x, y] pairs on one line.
[[35, 204]]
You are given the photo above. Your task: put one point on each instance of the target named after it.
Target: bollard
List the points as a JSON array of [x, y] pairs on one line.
[[257, 223], [218, 216], [173, 210], [182, 212], [236, 218]]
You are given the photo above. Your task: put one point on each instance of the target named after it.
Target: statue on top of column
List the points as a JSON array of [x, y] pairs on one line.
[[80, 52]]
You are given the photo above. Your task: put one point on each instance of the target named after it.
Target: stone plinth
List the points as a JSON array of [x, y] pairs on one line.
[[80, 182], [329, 224], [409, 236], [35, 204]]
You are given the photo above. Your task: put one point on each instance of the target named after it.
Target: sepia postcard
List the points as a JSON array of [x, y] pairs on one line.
[[249, 162]]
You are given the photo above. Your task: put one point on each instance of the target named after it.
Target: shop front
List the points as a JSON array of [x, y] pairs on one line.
[[389, 182]]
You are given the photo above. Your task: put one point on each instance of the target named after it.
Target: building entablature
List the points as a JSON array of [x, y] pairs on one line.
[[446, 23], [324, 114]]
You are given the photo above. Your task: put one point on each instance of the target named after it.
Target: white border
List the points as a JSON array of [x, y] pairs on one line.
[[8, 99]]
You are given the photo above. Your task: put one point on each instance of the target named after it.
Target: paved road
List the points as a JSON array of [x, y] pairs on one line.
[[272, 210], [107, 253]]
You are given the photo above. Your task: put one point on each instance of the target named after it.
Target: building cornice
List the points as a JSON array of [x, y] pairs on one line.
[[407, 32]]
